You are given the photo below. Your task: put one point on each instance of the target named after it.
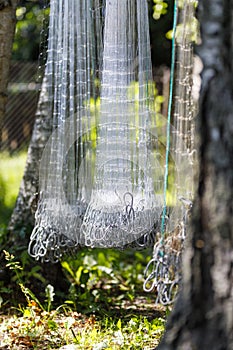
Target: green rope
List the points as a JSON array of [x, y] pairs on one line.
[[169, 120]]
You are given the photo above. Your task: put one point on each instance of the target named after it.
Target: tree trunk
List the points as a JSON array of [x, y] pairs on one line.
[[7, 29], [22, 219], [202, 317]]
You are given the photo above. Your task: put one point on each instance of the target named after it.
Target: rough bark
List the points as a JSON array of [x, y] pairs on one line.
[[7, 29], [202, 317]]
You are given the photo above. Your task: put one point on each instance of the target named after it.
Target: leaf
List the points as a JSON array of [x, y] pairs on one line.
[[79, 274], [52, 325], [119, 324], [67, 267], [27, 313]]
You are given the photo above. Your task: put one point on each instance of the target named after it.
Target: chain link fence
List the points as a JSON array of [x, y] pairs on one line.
[[23, 93]]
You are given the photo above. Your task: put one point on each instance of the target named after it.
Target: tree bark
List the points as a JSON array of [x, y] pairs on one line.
[[7, 29], [202, 317]]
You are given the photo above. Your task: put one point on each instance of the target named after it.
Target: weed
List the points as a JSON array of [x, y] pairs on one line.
[[100, 278]]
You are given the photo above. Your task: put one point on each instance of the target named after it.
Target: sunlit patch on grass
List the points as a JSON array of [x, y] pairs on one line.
[[54, 330], [11, 172]]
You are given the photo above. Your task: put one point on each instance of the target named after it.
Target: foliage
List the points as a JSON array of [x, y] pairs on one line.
[[29, 33], [161, 17], [42, 330], [32, 23], [159, 9], [101, 278], [37, 326]]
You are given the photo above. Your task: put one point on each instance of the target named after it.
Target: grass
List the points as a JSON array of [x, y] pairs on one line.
[[104, 307], [11, 172], [36, 330]]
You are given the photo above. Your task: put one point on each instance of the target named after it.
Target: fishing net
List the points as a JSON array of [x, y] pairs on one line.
[[126, 201], [102, 181], [66, 166], [163, 272], [110, 141]]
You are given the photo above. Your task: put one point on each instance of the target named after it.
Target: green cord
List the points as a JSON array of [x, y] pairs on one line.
[[169, 120]]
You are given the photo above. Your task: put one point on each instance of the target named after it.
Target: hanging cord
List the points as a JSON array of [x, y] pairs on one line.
[[169, 121]]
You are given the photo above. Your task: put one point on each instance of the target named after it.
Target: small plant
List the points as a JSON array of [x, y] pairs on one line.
[[103, 278], [49, 291], [42, 327], [31, 298]]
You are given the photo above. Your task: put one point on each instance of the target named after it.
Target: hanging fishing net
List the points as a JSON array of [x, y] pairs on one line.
[[126, 201], [100, 175], [163, 272], [66, 166], [102, 181]]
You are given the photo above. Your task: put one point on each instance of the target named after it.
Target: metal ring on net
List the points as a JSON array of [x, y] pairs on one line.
[[159, 280], [163, 271], [151, 278], [49, 246], [166, 292], [129, 209]]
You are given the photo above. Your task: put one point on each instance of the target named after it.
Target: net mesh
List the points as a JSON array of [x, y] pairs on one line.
[[70, 77], [125, 203], [163, 272], [102, 171], [112, 137]]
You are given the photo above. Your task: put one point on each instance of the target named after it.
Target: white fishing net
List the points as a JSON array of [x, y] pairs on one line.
[[66, 166], [163, 272], [110, 142], [102, 171], [126, 200], [182, 131]]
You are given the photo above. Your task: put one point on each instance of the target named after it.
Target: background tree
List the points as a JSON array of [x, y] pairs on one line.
[[26, 47], [7, 29], [203, 314]]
